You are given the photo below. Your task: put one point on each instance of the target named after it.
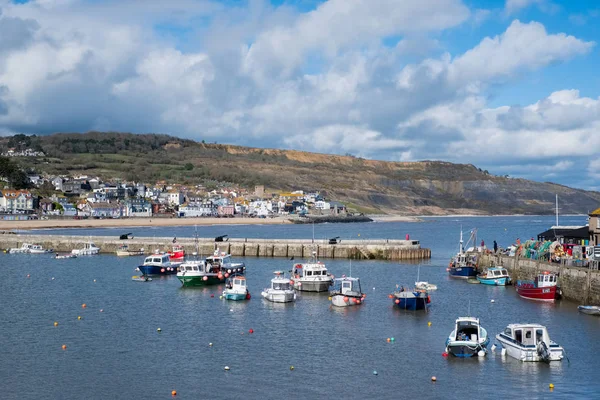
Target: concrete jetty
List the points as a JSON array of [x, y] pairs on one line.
[[241, 247]]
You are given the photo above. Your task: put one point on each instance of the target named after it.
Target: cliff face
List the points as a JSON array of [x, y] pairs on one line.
[[421, 188]]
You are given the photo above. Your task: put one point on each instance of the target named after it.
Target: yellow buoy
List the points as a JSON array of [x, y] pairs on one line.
[[291, 367], [329, 298], [551, 386], [429, 323], [79, 317], [55, 323], [158, 330]]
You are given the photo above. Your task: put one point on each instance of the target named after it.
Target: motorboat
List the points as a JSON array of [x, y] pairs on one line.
[[464, 264], [410, 299], [125, 251], [346, 292], [39, 249], [24, 249], [236, 289], [213, 270], [158, 264], [281, 290], [468, 338], [530, 343], [177, 253], [429, 287], [589, 310], [543, 288], [497, 276], [88, 249], [64, 256], [312, 276]]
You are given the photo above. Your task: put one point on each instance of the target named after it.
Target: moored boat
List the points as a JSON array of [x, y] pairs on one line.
[[429, 287], [467, 339], [530, 342], [312, 276], [281, 289], [24, 249], [543, 288], [236, 288], [497, 276], [589, 310], [463, 264], [125, 251], [89, 249], [408, 299], [39, 249], [177, 253], [213, 270], [64, 256], [346, 292], [158, 264]]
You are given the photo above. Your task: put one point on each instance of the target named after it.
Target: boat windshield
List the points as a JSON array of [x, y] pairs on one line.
[[467, 330], [281, 286], [239, 282]]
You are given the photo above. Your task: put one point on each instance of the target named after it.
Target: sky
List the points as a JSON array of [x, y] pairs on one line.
[[510, 86]]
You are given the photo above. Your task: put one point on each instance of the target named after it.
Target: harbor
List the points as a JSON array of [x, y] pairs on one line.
[[374, 249]]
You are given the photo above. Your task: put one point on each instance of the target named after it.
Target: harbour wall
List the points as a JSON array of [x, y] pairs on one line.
[[581, 284], [240, 247]]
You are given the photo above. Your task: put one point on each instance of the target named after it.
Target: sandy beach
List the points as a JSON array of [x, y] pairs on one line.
[[126, 222]]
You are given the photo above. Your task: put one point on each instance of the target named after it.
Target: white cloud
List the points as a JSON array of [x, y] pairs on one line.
[[594, 168], [514, 6]]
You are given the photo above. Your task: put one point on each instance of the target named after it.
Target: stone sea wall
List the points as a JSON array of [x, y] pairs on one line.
[[240, 247], [577, 283]]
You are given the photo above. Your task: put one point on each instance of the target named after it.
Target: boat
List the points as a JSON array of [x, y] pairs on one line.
[[346, 292], [414, 299], [213, 270], [467, 339], [125, 251], [590, 310], [24, 249], [312, 276], [236, 289], [281, 290], [64, 256], [176, 253], [429, 287], [530, 342], [158, 264], [497, 276], [39, 249], [143, 278], [543, 288], [88, 249], [464, 264]]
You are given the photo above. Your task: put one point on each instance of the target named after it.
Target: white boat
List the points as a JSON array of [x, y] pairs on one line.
[[281, 290], [497, 276], [89, 249], [158, 264], [590, 310], [64, 256], [38, 249], [125, 251], [312, 276], [214, 270], [425, 286], [346, 292], [236, 289], [24, 249], [530, 342], [467, 339]]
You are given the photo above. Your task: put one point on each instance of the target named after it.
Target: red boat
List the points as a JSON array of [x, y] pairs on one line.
[[177, 253], [543, 288]]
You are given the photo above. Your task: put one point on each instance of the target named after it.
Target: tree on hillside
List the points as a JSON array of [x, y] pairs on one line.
[[16, 177]]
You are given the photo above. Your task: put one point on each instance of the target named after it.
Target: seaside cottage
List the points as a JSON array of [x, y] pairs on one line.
[[16, 200]]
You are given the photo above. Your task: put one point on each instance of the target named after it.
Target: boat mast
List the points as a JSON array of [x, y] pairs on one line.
[[556, 209], [460, 244]]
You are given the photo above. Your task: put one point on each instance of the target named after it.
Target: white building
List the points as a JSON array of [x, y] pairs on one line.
[[13, 200], [260, 207]]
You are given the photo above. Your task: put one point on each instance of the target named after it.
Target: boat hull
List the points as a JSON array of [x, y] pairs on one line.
[[412, 303], [463, 349], [284, 297], [157, 270], [198, 280], [528, 291], [235, 296], [528, 353], [494, 281], [127, 253], [589, 310], [338, 300], [462, 272], [312, 286]]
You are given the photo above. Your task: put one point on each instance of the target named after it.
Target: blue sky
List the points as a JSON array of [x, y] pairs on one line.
[[399, 80]]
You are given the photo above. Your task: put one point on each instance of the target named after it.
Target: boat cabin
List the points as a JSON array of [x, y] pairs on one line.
[[280, 282], [310, 270], [157, 259], [467, 329], [546, 279], [496, 272], [192, 266], [347, 286], [236, 282], [526, 335]]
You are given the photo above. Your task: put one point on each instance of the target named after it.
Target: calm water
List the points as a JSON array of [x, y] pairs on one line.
[[118, 354]]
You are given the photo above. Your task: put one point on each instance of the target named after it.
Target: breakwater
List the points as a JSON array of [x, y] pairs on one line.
[[581, 284], [240, 247]]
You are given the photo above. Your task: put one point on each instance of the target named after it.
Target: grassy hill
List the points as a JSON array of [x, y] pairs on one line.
[[422, 188]]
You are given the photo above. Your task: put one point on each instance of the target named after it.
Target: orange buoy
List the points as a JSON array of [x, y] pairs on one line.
[[173, 392], [388, 340], [397, 301], [162, 270], [346, 299], [64, 346], [226, 275], [391, 296], [205, 278], [357, 301], [83, 305], [251, 330]]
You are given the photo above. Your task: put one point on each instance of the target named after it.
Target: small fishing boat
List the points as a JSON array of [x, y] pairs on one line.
[[346, 292], [407, 299], [530, 342], [497, 276], [589, 310], [429, 287], [543, 288], [214, 270], [39, 249], [236, 289], [24, 249], [64, 256], [312, 276], [281, 290], [464, 264], [158, 264], [467, 339], [125, 251], [177, 253], [89, 249]]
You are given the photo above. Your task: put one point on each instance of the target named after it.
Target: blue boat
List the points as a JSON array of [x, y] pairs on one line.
[[464, 264], [467, 339], [236, 289], [497, 276], [157, 264], [414, 299]]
